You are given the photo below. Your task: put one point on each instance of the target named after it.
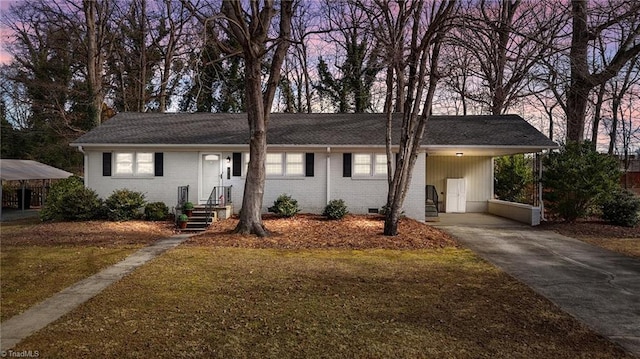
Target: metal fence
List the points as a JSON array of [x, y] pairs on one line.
[[35, 195]]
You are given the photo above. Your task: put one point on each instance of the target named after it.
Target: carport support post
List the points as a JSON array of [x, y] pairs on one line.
[[538, 171], [23, 183]]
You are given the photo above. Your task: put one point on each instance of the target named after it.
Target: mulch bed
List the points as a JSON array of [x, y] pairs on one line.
[[308, 231]]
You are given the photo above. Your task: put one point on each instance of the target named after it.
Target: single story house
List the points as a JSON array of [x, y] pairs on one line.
[[312, 157]]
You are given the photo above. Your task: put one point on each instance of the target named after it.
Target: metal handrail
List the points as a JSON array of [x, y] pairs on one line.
[[432, 194], [220, 196], [183, 197]]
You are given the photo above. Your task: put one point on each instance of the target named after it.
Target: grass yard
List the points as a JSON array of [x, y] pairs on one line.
[[225, 302], [38, 259], [312, 289]]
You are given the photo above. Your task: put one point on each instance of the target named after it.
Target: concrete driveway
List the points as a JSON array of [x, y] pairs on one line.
[[596, 286]]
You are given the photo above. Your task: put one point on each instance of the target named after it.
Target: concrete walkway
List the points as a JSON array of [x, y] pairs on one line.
[[15, 329], [596, 286]]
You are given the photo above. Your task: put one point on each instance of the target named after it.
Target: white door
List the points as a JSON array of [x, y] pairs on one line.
[[456, 200], [210, 174]]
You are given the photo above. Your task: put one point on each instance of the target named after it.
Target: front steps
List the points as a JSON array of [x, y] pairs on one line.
[[198, 221], [431, 212]]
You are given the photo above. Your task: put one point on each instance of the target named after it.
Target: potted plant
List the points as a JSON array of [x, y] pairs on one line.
[[187, 207], [182, 221]]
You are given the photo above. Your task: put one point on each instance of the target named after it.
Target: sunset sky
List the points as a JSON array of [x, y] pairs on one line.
[[4, 56]]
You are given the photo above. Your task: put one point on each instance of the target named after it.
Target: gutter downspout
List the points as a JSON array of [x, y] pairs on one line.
[[328, 174], [86, 166]]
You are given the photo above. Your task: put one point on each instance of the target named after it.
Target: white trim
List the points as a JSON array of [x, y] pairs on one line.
[[200, 199]]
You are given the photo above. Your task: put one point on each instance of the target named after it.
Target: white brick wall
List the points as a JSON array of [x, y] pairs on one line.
[[181, 168]]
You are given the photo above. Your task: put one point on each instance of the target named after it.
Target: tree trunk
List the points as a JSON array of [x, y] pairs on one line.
[[94, 63], [615, 106], [251, 213], [582, 80], [596, 117], [258, 102]]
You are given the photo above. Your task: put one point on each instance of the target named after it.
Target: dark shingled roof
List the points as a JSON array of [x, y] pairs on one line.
[[321, 129]]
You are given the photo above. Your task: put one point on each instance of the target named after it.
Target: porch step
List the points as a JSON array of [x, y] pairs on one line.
[[431, 210], [198, 221]]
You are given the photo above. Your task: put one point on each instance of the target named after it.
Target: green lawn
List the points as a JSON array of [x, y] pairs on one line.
[[266, 303]]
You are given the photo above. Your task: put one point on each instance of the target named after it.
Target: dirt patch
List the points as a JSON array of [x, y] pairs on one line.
[[623, 240], [308, 231], [591, 229]]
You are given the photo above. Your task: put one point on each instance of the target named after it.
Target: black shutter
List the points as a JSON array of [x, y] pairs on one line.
[[346, 165], [309, 160], [106, 164], [158, 164], [237, 164]]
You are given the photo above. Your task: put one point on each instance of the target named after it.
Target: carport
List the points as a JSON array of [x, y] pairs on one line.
[[26, 170]]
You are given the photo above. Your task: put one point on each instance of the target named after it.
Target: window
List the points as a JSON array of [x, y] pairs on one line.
[[361, 165], [295, 164], [134, 164], [369, 164], [380, 165], [285, 164], [273, 164]]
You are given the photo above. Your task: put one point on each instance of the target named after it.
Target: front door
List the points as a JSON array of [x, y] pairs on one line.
[[210, 174]]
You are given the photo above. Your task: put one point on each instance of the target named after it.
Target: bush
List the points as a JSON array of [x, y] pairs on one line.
[[621, 209], [285, 206], [124, 205], [156, 211], [577, 179], [513, 178], [335, 209], [70, 200]]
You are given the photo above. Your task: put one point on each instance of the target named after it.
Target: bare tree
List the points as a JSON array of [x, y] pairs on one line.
[[97, 15], [615, 19], [507, 39], [412, 65], [171, 40], [620, 88], [251, 29]]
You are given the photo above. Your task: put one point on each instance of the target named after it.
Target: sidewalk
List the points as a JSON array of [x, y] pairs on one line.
[[13, 330]]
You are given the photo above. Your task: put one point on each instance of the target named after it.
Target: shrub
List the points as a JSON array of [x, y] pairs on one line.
[[621, 209], [335, 209], [285, 206], [513, 178], [183, 218], [156, 211], [70, 200], [124, 205], [577, 178]]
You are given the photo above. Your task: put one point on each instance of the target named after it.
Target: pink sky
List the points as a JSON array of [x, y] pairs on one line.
[[4, 34]]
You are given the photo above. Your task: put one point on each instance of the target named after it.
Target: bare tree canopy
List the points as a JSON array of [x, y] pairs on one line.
[[616, 20]]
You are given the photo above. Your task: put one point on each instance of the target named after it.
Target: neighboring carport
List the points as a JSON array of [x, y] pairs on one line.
[[27, 170]]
